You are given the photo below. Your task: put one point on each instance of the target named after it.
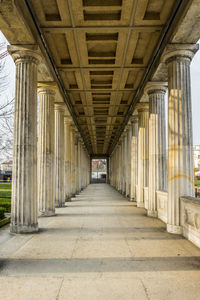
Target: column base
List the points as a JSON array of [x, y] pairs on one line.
[[140, 204], [152, 213], [58, 204], [68, 200], [48, 213], [14, 228], [174, 229], [132, 200]]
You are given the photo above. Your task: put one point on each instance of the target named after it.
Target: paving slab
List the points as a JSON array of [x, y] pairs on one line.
[[100, 246]]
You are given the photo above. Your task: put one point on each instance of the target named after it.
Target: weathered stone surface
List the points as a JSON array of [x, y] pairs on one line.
[[59, 155], [46, 151], [24, 181], [157, 143], [67, 158], [180, 160], [143, 150], [134, 157]]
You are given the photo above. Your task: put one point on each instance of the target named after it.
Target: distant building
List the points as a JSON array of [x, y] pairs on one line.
[[6, 166], [196, 157]]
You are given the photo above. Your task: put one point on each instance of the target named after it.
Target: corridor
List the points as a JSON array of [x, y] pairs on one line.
[[100, 246]]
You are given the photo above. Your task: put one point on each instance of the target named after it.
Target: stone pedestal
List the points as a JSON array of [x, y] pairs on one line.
[[134, 157], [24, 209], [157, 143], [46, 151], [59, 155], [180, 158], [67, 155], [143, 150]]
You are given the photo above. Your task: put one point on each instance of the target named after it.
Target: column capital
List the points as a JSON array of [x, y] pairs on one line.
[[142, 107], [174, 51], [67, 120], [155, 87], [59, 106], [47, 87], [25, 53], [134, 118]]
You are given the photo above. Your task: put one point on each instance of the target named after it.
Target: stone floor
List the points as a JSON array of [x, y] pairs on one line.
[[99, 247]]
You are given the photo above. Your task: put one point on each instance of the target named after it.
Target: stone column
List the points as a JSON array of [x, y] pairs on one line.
[[124, 162], [180, 159], [79, 164], [108, 171], [143, 147], [46, 150], [76, 162], [72, 142], [157, 143], [59, 155], [134, 157], [67, 156], [24, 182], [120, 168], [128, 160]]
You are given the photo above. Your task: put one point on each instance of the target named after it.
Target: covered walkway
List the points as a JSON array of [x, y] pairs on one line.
[[101, 246]]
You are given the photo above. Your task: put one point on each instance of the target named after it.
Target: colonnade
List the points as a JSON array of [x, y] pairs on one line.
[[145, 160], [51, 166]]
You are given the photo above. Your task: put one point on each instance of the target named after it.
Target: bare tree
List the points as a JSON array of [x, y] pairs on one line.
[[6, 105]]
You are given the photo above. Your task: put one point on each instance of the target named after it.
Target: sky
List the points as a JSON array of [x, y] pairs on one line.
[[195, 89]]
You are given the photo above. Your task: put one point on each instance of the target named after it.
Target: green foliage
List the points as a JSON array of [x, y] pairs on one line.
[[2, 211], [6, 205], [5, 194], [5, 186], [196, 182]]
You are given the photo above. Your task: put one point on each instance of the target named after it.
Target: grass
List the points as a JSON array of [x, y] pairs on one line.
[[5, 201], [196, 182], [5, 186]]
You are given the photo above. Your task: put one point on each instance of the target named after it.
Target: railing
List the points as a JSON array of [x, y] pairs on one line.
[[162, 205], [190, 218]]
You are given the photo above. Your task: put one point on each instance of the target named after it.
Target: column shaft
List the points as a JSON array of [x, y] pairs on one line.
[[143, 153], [157, 144], [134, 157], [67, 155], [46, 151], [59, 155]]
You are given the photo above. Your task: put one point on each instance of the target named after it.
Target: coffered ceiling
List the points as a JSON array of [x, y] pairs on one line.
[[101, 50]]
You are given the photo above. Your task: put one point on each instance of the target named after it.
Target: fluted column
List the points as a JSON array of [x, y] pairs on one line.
[[143, 151], [24, 182], [124, 162], [120, 168], [180, 159], [72, 142], [59, 155], [46, 150], [157, 143], [67, 157], [76, 152], [128, 160], [134, 157], [108, 171], [79, 164]]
